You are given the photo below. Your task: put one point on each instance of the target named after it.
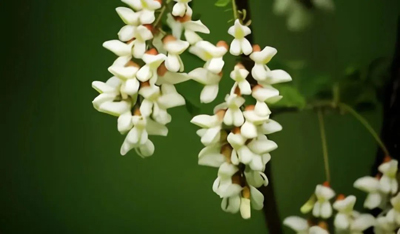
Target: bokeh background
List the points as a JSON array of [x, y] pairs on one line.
[[60, 167]]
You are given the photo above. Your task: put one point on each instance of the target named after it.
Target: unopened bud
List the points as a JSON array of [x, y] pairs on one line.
[[256, 48], [250, 108], [152, 51], [223, 44], [168, 38]]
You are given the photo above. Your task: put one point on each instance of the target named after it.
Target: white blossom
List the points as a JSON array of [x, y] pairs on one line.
[[388, 181], [240, 44], [301, 226], [345, 210], [146, 8], [174, 47], [210, 81], [322, 208], [239, 75], [211, 127], [182, 8], [187, 26], [371, 186], [149, 71], [211, 54]]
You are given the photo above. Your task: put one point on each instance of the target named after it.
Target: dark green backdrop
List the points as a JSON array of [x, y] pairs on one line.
[[60, 167]]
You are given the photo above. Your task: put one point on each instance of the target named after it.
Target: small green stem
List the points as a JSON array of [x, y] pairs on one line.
[[324, 145], [158, 20], [364, 122], [234, 9]]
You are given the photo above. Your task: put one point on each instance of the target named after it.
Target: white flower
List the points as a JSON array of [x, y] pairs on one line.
[[261, 147], [146, 8], [322, 208], [371, 186], [223, 184], [132, 21], [233, 115], [210, 81], [211, 54], [190, 28], [174, 48], [361, 222], [140, 35], [268, 127], [182, 8], [262, 95], [261, 71], [253, 121], [119, 48], [240, 44], [241, 152], [211, 127], [388, 182], [344, 206], [107, 101], [149, 71], [126, 70], [156, 101], [258, 178], [301, 226], [239, 74], [212, 156], [243, 201]]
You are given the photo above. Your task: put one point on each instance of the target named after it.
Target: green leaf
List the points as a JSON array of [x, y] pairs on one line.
[[291, 97], [222, 3]]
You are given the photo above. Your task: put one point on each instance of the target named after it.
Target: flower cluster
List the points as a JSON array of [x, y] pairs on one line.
[[140, 95], [382, 193], [235, 136]]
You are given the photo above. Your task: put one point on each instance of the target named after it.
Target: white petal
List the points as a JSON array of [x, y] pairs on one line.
[[341, 221], [373, 200], [192, 37], [127, 33], [212, 136], [146, 108], [270, 127], [245, 209], [204, 76], [278, 76], [147, 17], [363, 222], [215, 65], [227, 170], [317, 210], [296, 223], [264, 56], [102, 87], [231, 204], [245, 155], [257, 198], [128, 15], [262, 146], [131, 87], [367, 184], [155, 128], [264, 93], [174, 78], [118, 48], [146, 150], [248, 130], [179, 9], [238, 118], [245, 87], [261, 108], [317, 230], [135, 4], [144, 73], [231, 191], [176, 47], [259, 72], [326, 210], [126, 147], [115, 108], [209, 93], [204, 121], [235, 48], [139, 49], [256, 163], [125, 122], [211, 156], [385, 184], [246, 46], [324, 192], [172, 63]]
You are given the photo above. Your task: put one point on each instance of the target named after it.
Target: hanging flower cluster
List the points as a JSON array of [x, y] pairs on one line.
[[382, 193], [146, 70], [141, 91], [235, 136]]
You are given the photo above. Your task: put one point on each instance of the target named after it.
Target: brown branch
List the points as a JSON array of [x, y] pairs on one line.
[[270, 209]]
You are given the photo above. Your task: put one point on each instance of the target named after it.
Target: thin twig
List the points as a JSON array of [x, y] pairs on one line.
[[324, 145]]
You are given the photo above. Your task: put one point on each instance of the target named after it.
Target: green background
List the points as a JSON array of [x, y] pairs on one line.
[[60, 167]]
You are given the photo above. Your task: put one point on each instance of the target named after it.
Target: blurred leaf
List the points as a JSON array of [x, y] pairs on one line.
[[291, 97], [222, 3]]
